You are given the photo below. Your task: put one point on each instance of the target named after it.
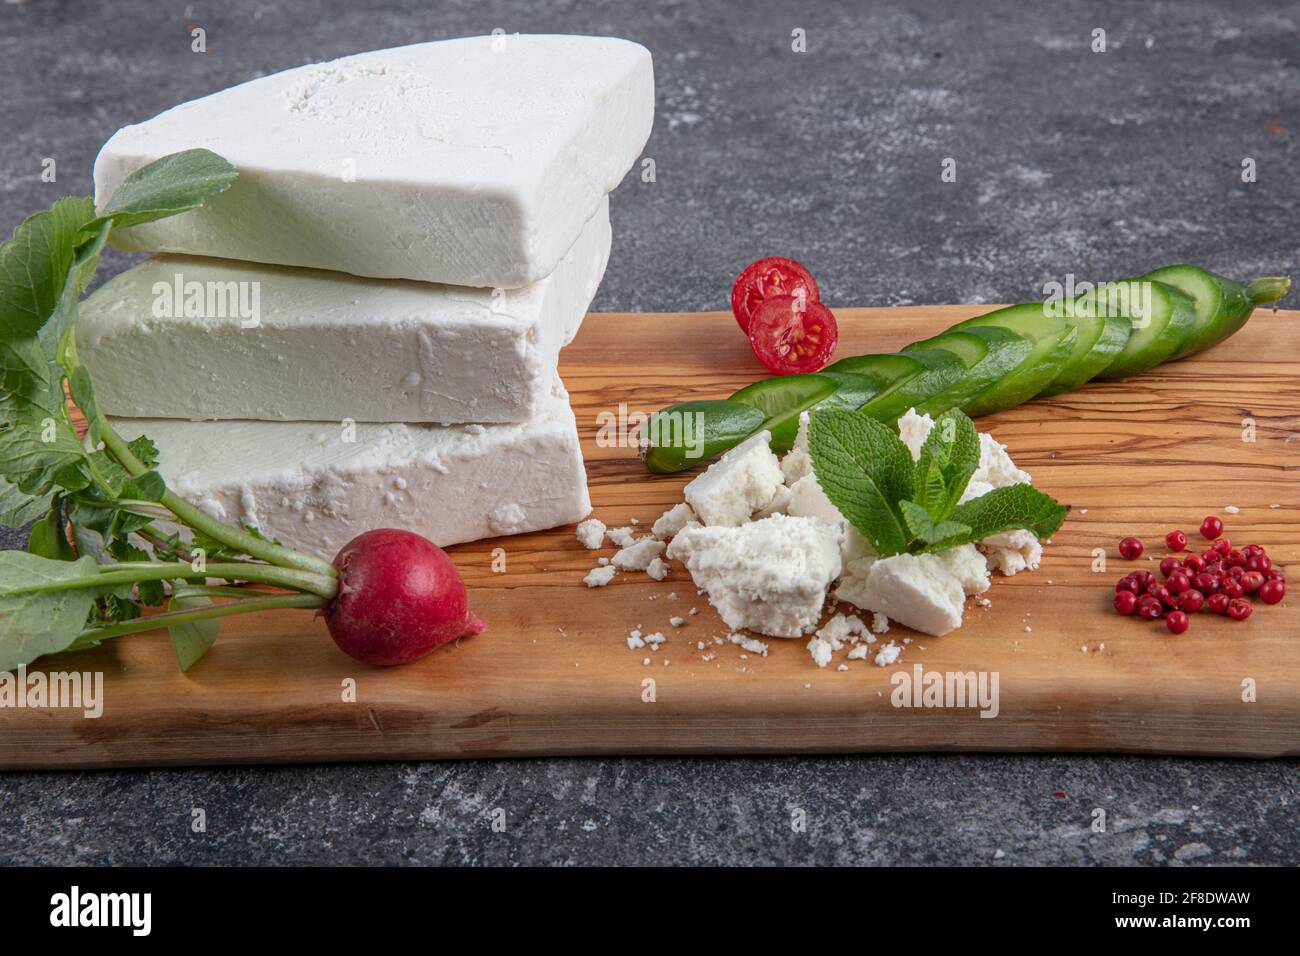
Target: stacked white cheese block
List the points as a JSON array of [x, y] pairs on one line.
[[364, 330]]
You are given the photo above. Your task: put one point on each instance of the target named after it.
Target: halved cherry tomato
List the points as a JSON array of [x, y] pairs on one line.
[[787, 338], [766, 278]]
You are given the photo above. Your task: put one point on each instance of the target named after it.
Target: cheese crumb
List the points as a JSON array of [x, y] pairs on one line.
[[673, 520], [742, 481], [879, 624], [821, 651], [1232, 509], [657, 569], [621, 537], [591, 533], [749, 644], [598, 577], [638, 555], [888, 654], [676, 621]]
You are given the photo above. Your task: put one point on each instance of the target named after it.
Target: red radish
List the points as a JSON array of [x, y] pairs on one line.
[[1176, 540], [1176, 621], [1218, 603], [1130, 549], [789, 337], [1126, 602], [1191, 601], [399, 597], [1239, 609], [1270, 592], [1211, 527], [767, 278]]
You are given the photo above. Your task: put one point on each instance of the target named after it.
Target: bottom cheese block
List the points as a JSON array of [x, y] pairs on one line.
[[316, 486]]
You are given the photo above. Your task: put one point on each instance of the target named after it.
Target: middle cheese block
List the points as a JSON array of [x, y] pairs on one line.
[[315, 486], [181, 337]]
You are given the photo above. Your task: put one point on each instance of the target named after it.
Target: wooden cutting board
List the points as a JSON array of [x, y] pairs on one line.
[[553, 675]]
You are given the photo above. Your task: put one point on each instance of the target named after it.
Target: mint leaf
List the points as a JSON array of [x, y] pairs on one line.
[[191, 641], [1011, 508], [865, 470], [41, 622], [167, 186], [947, 459], [933, 536]]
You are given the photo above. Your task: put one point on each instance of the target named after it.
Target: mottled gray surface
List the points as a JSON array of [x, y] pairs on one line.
[[1099, 164]]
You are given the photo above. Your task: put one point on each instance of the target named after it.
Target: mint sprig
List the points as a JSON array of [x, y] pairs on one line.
[[902, 506]]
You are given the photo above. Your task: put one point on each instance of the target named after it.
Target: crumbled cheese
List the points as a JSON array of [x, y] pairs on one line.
[[768, 576], [633, 521], [1232, 509], [968, 566], [842, 667], [888, 654], [821, 651], [591, 533], [879, 623], [621, 537], [657, 569], [748, 643], [638, 555], [996, 467], [602, 560], [634, 641], [742, 481], [672, 521], [598, 577], [1013, 551], [859, 652], [807, 500], [797, 463], [915, 590], [842, 629], [654, 640], [779, 505], [677, 621], [914, 429]]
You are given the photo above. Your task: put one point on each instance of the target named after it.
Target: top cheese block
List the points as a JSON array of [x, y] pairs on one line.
[[473, 162]]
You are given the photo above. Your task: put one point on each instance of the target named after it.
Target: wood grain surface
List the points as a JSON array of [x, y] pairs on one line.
[[553, 675]]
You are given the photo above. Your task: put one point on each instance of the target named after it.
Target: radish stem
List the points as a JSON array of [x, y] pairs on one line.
[[135, 572], [171, 618]]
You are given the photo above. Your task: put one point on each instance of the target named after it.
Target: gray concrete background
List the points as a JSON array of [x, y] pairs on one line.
[[1100, 164]]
